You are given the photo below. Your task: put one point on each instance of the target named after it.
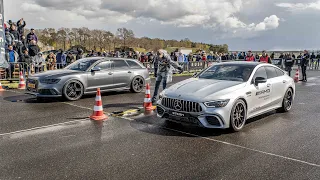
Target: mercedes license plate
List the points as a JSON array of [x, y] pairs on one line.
[[178, 114], [30, 85]]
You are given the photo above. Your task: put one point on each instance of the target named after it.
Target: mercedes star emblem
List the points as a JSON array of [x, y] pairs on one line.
[[177, 105]]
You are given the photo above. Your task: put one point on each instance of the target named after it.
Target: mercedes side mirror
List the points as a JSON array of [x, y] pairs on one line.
[[259, 80], [95, 69]]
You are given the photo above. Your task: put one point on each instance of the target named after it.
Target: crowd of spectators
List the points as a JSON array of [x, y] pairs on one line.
[[21, 47]]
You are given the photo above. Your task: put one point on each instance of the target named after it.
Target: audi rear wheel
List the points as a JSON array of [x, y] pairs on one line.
[[137, 84]]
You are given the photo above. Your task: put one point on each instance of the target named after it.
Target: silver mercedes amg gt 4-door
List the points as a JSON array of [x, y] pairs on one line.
[[225, 95]]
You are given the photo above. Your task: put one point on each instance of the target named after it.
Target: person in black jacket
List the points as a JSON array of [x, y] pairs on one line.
[[304, 64], [21, 24], [318, 60], [79, 54], [312, 60], [288, 62], [33, 48], [15, 33], [69, 58], [26, 61]]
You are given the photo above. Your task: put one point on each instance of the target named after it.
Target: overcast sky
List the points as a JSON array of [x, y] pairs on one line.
[[242, 24]]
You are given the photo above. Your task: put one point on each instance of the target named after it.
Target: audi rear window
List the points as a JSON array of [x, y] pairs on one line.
[[134, 65]]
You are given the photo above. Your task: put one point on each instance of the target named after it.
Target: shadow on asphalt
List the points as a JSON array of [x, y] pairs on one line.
[[152, 124]]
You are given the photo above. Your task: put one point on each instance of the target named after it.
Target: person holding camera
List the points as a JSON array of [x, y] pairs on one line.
[[164, 62]]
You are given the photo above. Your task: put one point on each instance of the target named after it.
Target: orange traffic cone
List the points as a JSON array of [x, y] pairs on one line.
[[147, 104], [98, 114], [296, 77], [1, 89], [22, 83]]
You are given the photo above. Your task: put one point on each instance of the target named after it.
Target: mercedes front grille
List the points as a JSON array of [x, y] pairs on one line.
[[181, 105]]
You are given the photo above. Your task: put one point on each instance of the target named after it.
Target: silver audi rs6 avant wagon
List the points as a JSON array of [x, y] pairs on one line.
[[86, 75]]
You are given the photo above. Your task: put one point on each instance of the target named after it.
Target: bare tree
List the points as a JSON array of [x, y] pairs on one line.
[[108, 36], [124, 35]]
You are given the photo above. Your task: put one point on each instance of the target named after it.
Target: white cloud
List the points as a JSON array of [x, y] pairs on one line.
[[271, 22], [300, 6], [31, 8], [188, 13]]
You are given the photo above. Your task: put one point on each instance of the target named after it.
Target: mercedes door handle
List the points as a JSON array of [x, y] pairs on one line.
[[129, 72], [284, 81], [110, 73], [268, 85]]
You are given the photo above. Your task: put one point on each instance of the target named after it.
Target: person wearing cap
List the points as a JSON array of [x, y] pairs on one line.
[[304, 64], [250, 57], [32, 36], [265, 58], [164, 62]]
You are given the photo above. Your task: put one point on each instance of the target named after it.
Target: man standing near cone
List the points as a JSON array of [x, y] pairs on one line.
[[164, 64], [304, 64]]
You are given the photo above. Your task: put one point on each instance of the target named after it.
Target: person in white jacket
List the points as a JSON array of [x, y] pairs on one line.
[[39, 62]]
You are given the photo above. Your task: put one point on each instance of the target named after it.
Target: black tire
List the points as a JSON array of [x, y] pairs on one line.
[[137, 84], [238, 116], [73, 90], [286, 102]]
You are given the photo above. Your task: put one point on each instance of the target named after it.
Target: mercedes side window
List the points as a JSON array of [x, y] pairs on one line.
[[105, 65], [279, 72], [261, 72], [120, 64], [271, 72]]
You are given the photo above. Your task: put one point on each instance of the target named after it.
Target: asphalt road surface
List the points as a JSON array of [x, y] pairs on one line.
[[55, 140]]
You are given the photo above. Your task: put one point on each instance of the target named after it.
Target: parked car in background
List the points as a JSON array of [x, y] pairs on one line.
[[86, 75]]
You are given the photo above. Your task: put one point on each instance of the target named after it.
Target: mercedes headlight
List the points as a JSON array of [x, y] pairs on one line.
[[217, 103], [49, 81], [161, 95]]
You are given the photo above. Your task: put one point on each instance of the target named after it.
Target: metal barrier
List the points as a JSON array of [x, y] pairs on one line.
[[12, 73]]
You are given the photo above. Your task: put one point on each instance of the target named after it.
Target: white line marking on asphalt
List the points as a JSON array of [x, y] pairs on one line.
[[243, 147], [42, 127], [82, 107]]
